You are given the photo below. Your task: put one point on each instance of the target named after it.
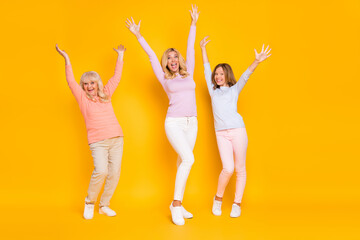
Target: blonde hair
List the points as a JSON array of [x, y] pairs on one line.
[[228, 72], [182, 66], [95, 77]]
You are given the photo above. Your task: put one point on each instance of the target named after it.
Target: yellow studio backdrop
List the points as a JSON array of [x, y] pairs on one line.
[[300, 107]]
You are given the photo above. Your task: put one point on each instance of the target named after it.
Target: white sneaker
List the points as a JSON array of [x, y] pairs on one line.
[[177, 215], [107, 211], [89, 211], [185, 213], [235, 211], [216, 208]]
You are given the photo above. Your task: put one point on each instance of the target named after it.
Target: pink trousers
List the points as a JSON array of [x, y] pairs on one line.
[[232, 144]]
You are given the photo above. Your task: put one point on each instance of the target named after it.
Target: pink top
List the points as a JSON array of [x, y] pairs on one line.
[[180, 91], [100, 119]]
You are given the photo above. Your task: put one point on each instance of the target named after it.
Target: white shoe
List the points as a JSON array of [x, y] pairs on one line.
[[89, 211], [216, 208], [235, 211], [177, 215], [107, 211], [185, 213]]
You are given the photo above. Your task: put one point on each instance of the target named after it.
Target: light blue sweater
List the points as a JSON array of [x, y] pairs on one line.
[[224, 101]]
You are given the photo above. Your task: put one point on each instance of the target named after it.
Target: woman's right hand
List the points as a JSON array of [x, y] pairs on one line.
[[203, 42], [64, 54], [131, 25]]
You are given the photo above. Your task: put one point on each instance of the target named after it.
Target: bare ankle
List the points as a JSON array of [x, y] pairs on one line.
[[176, 203], [218, 198]]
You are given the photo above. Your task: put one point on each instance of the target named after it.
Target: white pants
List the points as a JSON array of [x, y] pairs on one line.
[[181, 133], [107, 164]]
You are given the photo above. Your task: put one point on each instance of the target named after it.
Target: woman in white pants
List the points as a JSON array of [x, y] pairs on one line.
[[176, 77]]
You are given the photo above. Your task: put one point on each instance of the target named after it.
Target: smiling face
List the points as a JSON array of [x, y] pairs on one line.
[[173, 62], [220, 77], [90, 86]]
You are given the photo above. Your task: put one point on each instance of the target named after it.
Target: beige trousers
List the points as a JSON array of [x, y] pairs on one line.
[[107, 163]]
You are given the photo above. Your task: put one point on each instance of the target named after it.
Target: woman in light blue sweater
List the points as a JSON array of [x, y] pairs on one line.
[[229, 126]]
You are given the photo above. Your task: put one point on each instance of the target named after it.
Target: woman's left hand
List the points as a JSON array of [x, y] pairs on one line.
[[194, 14], [264, 54]]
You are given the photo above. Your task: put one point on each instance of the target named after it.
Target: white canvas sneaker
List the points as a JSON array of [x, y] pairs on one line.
[[177, 215], [235, 211], [107, 211], [216, 208], [89, 211], [185, 213]]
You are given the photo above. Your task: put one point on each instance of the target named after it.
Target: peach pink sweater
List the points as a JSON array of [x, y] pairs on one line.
[[100, 119]]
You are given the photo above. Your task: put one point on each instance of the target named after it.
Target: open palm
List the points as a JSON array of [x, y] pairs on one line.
[[194, 13], [131, 25], [264, 54]]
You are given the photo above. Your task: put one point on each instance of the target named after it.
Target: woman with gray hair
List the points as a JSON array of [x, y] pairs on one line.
[[105, 136]]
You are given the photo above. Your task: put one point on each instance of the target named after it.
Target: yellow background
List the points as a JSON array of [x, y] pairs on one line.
[[300, 107]]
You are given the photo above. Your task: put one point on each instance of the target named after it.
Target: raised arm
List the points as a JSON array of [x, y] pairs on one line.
[[207, 69], [259, 57], [74, 86], [112, 84], [135, 29], [190, 52]]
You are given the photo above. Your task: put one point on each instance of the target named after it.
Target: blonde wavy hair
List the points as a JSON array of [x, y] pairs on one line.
[[228, 72], [94, 76], [182, 65]]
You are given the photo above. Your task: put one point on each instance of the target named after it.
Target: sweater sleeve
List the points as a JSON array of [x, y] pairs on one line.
[[190, 52], [153, 60], [75, 88], [114, 81], [207, 71], [242, 81]]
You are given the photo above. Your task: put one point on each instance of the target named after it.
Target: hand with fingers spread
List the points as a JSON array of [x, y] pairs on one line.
[[264, 54], [120, 50], [64, 54], [194, 14], [260, 57], [203, 44], [131, 25]]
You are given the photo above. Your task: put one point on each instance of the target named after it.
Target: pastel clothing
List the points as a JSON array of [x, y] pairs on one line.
[[180, 91], [107, 156], [224, 101], [232, 143], [182, 133], [100, 119]]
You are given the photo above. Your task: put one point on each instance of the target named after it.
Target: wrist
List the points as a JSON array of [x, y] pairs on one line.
[[138, 35]]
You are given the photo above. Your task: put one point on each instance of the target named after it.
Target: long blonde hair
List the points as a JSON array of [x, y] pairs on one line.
[[229, 75], [182, 66], [95, 77]]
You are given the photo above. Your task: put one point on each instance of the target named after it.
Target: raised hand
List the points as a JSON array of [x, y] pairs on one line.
[[120, 50], [264, 54], [64, 54], [131, 25], [194, 14], [203, 42]]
